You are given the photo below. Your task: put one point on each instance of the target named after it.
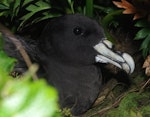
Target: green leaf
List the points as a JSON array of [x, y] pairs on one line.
[[6, 66], [145, 46], [39, 6], [71, 3], [6, 63], [33, 9], [24, 98], [107, 20], [3, 7], [6, 2], [142, 23], [142, 33], [25, 2], [21, 97], [16, 7], [89, 8]]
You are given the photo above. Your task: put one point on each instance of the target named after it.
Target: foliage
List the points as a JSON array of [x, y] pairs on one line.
[[140, 11], [22, 97], [135, 8], [27, 12], [144, 34], [18, 14], [133, 105], [33, 9], [22, 13]]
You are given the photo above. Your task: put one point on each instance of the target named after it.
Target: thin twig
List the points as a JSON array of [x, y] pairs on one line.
[[19, 46], [115, 104], [147, 82]]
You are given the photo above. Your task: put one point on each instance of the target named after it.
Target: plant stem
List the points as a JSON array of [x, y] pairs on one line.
[[89, 8]]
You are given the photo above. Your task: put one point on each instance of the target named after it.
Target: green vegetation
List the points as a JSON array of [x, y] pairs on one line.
[[143, 34], [19, 14], [21, 96], [133, 105]]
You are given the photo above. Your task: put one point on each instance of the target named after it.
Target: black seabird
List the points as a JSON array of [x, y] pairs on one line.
[[68, 51]]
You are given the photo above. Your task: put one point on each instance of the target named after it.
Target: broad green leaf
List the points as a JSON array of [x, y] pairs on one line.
[[42, 4], [142, 23], [3, 7], [145, 43], [89, 8], [27, 2], [71, 3], [24, 98], [1, 13], [33, 9], [142, 33], [16, 7], [6, 63], [6, 2], [145, 46]]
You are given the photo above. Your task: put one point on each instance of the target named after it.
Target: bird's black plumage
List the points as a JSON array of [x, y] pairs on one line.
[[67, 44], [64, 50]]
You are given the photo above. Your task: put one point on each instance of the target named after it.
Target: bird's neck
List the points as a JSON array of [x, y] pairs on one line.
[[61, 70]]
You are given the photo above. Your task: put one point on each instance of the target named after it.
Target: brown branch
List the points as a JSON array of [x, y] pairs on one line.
[[19, 46]]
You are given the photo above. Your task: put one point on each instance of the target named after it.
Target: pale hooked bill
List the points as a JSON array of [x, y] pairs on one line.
[[107, 55]]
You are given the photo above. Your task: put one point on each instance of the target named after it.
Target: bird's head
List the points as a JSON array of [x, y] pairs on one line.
[[80, 40]]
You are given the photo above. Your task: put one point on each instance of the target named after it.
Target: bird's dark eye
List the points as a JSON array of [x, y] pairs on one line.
[[78, 31]]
